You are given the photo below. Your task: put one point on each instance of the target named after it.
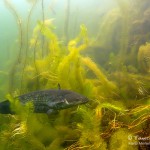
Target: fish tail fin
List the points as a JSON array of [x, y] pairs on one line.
[[5, 107]]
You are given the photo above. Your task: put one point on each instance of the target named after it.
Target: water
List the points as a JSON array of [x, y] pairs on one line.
[[97, 48]]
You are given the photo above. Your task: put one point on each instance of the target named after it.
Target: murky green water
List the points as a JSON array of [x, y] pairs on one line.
[[99, 49]]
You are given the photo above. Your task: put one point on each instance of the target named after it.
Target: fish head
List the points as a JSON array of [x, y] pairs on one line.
[[66, 99], [71, 98]]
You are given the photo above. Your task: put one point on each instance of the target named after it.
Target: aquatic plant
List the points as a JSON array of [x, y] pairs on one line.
[[67, 20], [104, 86], [27, 41], [120, 140], [19, 23], [144, 58], [90, 132], [124, 79]]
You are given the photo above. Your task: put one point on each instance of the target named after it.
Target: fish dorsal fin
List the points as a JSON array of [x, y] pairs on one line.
[[59, 87]]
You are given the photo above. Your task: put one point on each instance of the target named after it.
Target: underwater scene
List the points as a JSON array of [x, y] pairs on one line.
[[75, 75]]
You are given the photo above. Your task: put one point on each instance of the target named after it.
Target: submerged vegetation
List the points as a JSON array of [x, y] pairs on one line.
[[112, 70]]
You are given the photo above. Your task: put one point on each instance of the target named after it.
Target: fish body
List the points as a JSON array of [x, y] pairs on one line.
[[47, 101]]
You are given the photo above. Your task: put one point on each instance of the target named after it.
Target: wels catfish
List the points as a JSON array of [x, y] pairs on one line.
[[47, 101]]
